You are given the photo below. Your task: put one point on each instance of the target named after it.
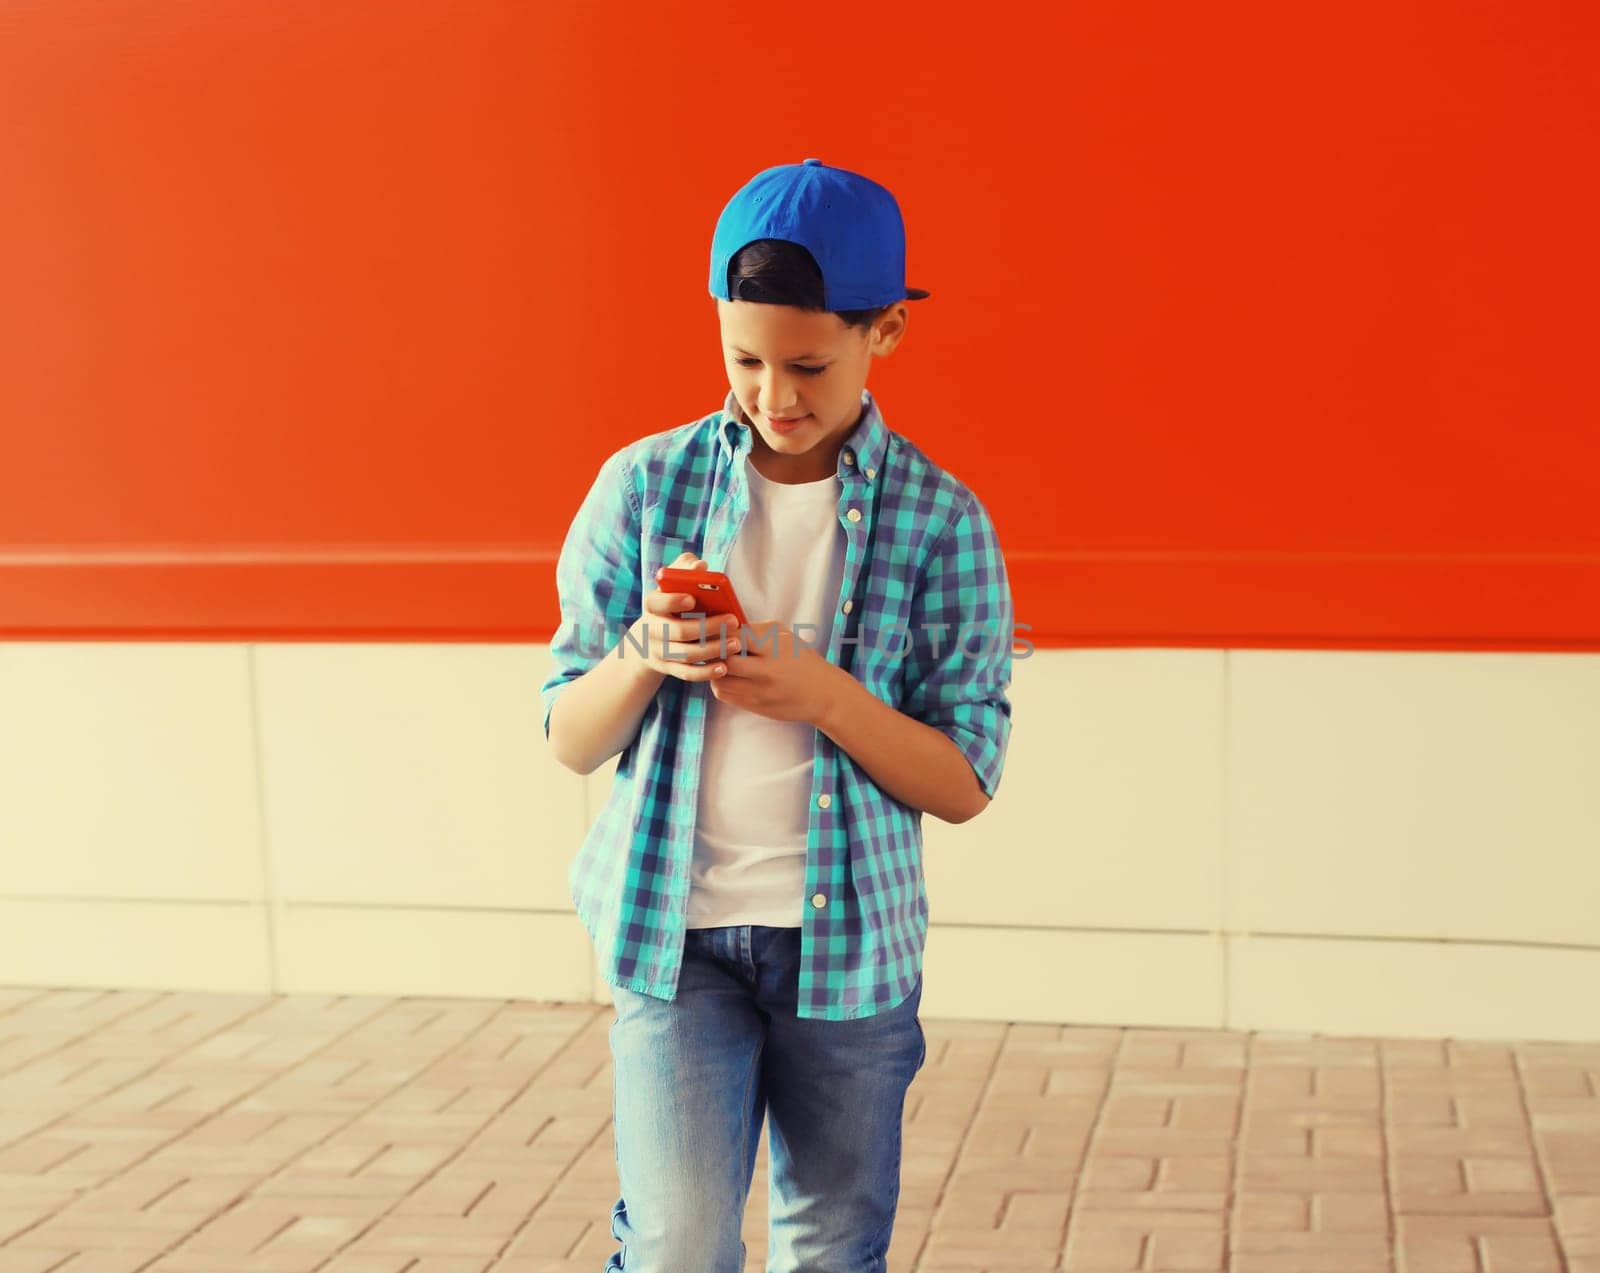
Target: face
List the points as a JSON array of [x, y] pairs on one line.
[[810, 367]]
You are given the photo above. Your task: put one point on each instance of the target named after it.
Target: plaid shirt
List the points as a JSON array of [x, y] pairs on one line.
[[920, 551]]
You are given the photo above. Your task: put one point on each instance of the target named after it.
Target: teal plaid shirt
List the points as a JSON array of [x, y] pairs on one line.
[[925, 623]]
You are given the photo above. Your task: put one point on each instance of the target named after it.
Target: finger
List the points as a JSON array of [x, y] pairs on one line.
[[690, 671], [685, 558], [697, 651], [667, 605], [691, 632], [717, 625], [707, 629], [680, 640]]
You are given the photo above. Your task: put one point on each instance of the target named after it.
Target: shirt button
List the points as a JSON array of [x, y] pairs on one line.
[[854, 514], [871, 473], [819, 900], [849, 606], [849, 457], [824, 800]]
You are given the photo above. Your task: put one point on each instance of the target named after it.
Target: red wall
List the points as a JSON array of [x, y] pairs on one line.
[[1252, 323]]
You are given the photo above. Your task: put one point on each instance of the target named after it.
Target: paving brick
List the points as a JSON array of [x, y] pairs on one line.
[[1275, 1212], [1095, 1250], [1266, 1173], [1469, 1204], [1171, 1249], [1099, 1201], [1044, 1211], [1349, 1213]]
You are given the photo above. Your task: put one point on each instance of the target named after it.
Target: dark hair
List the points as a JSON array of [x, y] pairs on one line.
[[777, 272]]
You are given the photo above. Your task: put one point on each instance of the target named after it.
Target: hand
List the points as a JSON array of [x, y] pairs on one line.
[[780, 677], [682, 651]]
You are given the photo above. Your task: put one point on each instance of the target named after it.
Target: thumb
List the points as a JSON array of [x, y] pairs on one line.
[[685, 558]]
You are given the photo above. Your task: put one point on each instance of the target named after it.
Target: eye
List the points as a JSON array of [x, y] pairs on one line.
[[810, 371]]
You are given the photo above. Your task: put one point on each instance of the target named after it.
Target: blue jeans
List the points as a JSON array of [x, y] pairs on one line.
[[693, 1079]]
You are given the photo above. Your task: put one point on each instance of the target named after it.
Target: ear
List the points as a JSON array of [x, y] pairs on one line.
[[890, 327]]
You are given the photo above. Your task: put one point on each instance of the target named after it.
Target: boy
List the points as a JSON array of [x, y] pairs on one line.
[[753, 884]]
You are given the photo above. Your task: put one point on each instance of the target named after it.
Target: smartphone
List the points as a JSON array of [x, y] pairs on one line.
[[711, 589]]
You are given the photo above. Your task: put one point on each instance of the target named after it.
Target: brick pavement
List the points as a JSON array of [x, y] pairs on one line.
[[151, 1132]]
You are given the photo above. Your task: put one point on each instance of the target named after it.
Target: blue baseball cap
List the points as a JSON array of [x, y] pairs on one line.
[[849, 223]]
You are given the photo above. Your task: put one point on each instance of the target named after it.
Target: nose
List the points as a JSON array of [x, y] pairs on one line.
[[774, 397]]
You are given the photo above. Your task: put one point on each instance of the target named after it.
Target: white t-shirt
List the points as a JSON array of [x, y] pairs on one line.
[[787, 563]]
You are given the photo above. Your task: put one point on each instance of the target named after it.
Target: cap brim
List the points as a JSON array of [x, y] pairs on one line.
[[917, 293]]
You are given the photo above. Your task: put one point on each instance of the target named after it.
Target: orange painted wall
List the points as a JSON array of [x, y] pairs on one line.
[[1252, 323]]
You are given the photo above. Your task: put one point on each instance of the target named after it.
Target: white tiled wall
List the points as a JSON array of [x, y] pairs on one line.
[[1346, 842]]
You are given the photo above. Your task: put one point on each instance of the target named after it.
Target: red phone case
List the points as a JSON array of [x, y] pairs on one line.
[[711, 589]]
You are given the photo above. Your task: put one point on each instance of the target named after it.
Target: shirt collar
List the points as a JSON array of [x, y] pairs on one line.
[[866, 443]]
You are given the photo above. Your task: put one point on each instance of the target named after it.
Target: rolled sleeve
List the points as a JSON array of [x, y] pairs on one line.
[[597, 579], [956, 676]]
